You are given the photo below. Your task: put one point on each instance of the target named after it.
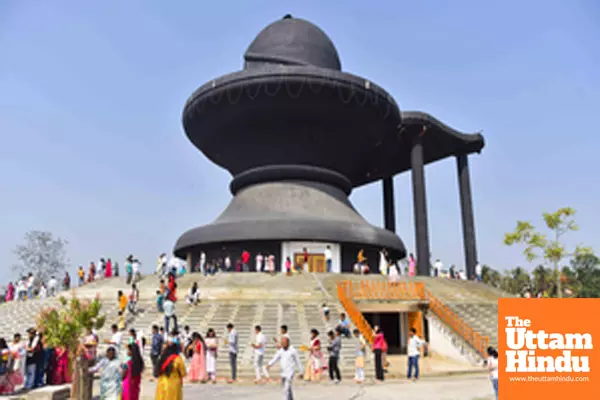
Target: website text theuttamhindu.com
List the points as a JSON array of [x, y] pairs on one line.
[[549, 379]]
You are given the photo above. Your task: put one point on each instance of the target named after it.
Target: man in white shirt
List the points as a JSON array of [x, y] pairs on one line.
[[328, 258], [259, 354], [478, 272], [284, 334], [203, 263], [288, 362], [232, 344], [414, 353], [437, 267], [52, 283], [115, 339]]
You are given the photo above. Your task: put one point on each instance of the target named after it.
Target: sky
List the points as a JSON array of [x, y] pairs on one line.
[[91, 94]]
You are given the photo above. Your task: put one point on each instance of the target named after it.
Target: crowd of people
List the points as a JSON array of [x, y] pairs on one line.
[[31, 287], [179, 356]]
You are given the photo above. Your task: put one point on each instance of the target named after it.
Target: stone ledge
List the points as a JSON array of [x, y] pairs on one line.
[[61, 392]]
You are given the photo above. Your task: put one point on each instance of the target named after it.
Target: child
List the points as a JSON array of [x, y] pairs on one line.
[[325, 312], [159, 301], [361, 345]]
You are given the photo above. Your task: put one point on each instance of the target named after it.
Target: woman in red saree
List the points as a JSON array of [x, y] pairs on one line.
[[108, 270], [171, 288], [316, 360], [132, 373], [60, 373]]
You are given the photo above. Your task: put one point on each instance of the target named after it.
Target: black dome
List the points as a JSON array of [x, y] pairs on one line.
[[292, 41]]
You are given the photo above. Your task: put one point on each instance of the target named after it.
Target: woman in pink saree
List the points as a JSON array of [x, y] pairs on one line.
[[197, 371], [132, 373], [412, 265], [316, 360], [10, 292], [61, 369]]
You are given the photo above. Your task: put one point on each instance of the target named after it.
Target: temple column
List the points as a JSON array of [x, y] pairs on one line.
[[420, 206], [466, 208], [389, 214]]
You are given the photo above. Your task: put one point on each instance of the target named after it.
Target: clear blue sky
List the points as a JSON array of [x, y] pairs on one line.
[[91, 94]]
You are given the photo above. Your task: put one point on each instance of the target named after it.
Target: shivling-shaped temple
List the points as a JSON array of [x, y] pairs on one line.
[[297, 134]]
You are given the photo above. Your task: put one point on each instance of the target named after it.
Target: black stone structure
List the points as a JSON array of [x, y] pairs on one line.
[[297, 134]]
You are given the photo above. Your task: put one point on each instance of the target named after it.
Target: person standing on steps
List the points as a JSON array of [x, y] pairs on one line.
[[156, 349], [328, 258], [478, 272], [335, 346], [289, 361], [414, 353], [360, 353], [129, 269], [232, 345], [492, 364], [284, 333], [245, 261], [378, 344], [115, 339], [212, 349], [412, 265], [259, 354]]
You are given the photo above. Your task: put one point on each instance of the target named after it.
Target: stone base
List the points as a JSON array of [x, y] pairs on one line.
[[61, 392]]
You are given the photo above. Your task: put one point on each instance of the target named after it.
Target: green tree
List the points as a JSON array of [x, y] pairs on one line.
[[551, 249], [491, 277], [587, 272], [64, 326]]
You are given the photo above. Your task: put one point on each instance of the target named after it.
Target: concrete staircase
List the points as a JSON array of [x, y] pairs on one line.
[[474, 302], [245, 300]]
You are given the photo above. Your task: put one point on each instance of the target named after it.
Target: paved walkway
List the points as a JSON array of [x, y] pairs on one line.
[[448, 388]]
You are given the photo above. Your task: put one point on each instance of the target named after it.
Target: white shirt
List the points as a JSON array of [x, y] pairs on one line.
[[227, 262], [135, 267], [52, 283], [29, 282], [288, 362], [438, 266], [478, 269], [328, 254], [493, 366], [42, 292], [414, 344], [115, 340], [261, 339], [169, 308], [202, 257]]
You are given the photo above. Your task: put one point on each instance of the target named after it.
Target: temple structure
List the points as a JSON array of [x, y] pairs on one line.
[[297, 134]]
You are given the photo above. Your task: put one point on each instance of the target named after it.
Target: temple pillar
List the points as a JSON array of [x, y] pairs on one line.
[[389, 214], [420, 206], [466, 208]]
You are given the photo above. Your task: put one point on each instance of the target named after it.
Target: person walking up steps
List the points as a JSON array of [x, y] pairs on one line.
[[259, 354], [334, 348], [289, 361]]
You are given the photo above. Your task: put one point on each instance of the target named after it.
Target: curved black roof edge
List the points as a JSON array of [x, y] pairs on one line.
[[473, 142]]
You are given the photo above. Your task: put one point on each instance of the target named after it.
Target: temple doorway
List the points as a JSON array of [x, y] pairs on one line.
[[316, 262]]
